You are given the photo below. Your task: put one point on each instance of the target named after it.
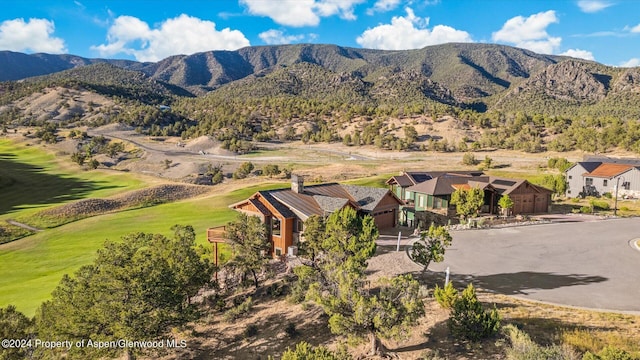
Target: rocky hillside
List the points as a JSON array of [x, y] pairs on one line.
[[16, 66], [468, 70], [463, 75]]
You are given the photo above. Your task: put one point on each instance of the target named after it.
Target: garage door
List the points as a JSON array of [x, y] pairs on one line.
[[541, 204], [385, 220], [523, 204]]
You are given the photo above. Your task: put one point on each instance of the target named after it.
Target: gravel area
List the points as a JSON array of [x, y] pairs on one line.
[[388, 262]]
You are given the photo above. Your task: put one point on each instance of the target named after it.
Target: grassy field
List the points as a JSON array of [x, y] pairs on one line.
[[32, 179], [33, 266]]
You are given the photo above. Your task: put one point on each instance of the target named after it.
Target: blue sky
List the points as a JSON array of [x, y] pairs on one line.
[[607, 31]]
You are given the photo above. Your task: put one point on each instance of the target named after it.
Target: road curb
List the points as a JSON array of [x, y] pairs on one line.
[[583, 308]]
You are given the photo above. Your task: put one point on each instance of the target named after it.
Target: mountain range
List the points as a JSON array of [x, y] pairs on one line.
[[480, 76]]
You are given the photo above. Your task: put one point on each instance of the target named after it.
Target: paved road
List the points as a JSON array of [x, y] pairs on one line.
[[587, 264]]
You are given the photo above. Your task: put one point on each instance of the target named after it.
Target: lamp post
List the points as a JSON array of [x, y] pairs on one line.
[[615, 201]]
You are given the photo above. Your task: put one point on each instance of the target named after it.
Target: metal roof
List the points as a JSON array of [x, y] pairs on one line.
[[609, 170], [301, 204], [283, 210], [608, 160], [323, 198]]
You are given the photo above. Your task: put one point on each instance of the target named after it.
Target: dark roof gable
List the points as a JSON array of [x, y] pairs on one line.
[[324, 198]]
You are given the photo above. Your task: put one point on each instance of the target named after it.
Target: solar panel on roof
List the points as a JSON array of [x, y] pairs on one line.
[[421, 177], [504, 182]]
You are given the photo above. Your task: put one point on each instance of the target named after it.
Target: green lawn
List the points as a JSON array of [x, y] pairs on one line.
[[378, 181], [535, 177], [32, 179], [31, 267]]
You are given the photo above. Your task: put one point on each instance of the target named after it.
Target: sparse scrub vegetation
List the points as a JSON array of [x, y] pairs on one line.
[[446, 296], [296, 102], [469, 159], [244, 170], [523, 348], [239, 310], [468, 320]]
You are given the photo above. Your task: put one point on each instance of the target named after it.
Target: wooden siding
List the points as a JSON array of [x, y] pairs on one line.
[[286, 236], [250, 209], [385, 214], [527, 200], [286, 228], [387, 219], [387, 202]]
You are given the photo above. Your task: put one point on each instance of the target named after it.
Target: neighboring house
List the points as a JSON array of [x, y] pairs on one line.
[[597, 176], [400, 183], [433, 195], [286, 210], [575, 181]]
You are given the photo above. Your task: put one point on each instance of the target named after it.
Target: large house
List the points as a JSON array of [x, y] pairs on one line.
[[285, 210], [598, 175], [427, 194]]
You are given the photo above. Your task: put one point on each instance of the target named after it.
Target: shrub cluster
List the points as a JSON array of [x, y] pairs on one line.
[[468, 320], [523, 348], [446, 296], [238, 311]]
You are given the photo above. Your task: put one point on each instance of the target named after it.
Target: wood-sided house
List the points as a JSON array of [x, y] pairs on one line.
[[284, 211], [433, 194]]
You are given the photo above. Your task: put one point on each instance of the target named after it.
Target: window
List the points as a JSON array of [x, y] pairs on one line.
[[275, 226], [604, 182], [278, 251], [407, 195], [300, 225], [421, 204], [626, 185], [437, 203], [588, 181]]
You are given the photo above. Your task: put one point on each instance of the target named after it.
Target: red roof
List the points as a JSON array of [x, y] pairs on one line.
[[609, 170]]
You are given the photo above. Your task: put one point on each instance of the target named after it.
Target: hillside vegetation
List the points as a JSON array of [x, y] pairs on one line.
[[499, 96]]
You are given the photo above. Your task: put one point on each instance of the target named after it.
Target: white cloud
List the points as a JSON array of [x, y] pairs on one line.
[[592, 6], [181, 35], [301, 12], [581, 54], [631, 63], [383, 6], [409, 32], [276, 37], [635, 29], [33, 35], [530, 33]]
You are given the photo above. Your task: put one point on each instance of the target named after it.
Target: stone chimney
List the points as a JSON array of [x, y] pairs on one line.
[[297, 183]]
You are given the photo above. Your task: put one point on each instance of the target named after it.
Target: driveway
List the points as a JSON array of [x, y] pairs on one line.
[[586, 264]]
